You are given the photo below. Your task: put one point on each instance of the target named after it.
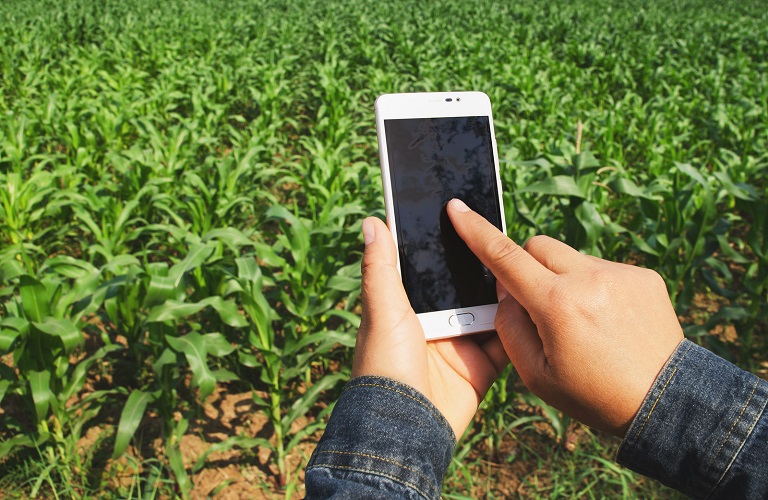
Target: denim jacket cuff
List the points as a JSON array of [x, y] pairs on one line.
[[699, 415], [387, 436]]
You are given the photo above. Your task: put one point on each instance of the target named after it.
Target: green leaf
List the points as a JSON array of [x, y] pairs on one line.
[[730, 313], [729, 251], [42, 396], [627, 186], [130, 418], [9, 266], [35, 298], [247, 359], [69, 267], [168, 357], [298, 232], [64, 330], [173, 310], [160, 289], [559, 185], [642, 245], [217, 345], [346, 279], [352, 318], [22, 441], [77, 379], [232, 237], [585, 161], [591, 221], [745, 192], [266, 254], [688, 170], [228, 312], [8, 339], [305, 402], [193, 347], [248, 269], [226, 445], [222, 375], [175, 458], [197, 255], [4, 385]]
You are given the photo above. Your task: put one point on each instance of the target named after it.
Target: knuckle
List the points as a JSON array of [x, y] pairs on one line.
[[559, 295], [536, 242], [604, 286], [655, 279], [504, 250]]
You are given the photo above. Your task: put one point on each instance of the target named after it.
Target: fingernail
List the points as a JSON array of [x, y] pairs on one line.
[[369, 232], [502, 293], [459, 205]]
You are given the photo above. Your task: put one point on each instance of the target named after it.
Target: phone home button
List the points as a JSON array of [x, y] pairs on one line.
[[463, 319]]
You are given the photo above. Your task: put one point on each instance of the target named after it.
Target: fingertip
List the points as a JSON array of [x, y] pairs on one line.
[[379, 245], [458, 205]]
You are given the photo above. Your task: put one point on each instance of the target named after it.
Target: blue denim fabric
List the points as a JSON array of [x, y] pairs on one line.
[[384, 440], [702, 429]]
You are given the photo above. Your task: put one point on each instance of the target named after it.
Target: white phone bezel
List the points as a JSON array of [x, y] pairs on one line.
[[437, 324]]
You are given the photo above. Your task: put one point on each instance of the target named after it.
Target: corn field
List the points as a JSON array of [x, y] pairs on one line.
[[182, 185]]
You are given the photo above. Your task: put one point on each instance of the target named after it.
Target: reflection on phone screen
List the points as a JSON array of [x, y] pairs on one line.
[[431, 161]]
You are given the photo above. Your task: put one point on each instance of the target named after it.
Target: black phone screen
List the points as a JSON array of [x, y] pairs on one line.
[[431, 161]]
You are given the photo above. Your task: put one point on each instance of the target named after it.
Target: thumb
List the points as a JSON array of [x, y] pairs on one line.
[[384, 298], [388, 329]]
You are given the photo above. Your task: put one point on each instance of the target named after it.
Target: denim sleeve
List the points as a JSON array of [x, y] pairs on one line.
[[384, 440], [703, 428]]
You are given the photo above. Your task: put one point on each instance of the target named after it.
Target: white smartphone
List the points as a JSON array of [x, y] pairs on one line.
[[436, 146]]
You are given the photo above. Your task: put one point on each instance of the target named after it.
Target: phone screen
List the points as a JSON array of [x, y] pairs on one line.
[[431, 161]]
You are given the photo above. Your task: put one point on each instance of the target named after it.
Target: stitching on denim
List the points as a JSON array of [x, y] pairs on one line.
[[658, 398], [749, 431], [439, 418], [366, 471], [388, 460], [744, 408]]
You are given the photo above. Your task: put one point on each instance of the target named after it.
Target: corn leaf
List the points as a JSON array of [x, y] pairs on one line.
[[217, 345], [130, 418], [35, 298], [196, 256], [4, 385], [42, 396], [192, 345], [243, 442], [559, 185], [8, 338], [304, 403], [172, 310], [63, 330]]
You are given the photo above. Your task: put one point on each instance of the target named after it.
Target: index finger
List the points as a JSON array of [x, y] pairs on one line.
[[524, 277]]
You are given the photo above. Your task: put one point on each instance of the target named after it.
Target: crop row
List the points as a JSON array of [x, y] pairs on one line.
[[181, 189]]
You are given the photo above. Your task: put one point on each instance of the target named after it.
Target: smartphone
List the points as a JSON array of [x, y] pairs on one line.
[[436, 146]]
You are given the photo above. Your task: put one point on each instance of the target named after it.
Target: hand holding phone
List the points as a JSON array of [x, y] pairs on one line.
[[434, 147], [454, 374]]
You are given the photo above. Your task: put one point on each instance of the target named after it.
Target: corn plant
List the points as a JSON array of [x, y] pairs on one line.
[[181, 187]]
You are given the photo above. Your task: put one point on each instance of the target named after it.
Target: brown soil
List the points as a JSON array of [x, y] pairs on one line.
[[231, 474]]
